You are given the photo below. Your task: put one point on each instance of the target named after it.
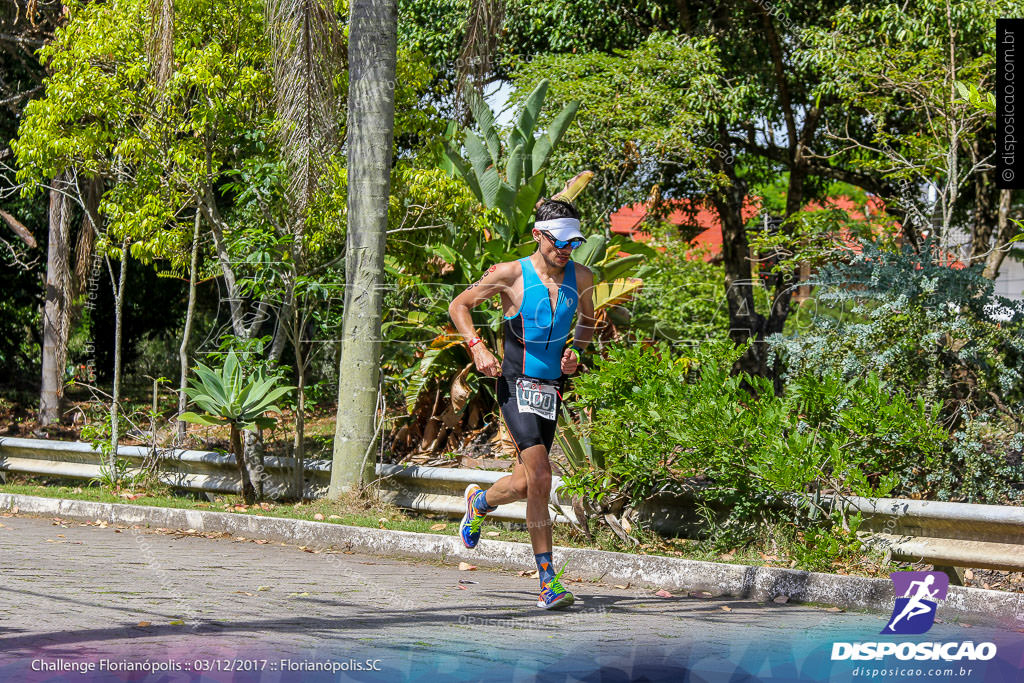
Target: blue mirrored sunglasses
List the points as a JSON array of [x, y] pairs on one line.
[[575, 242]]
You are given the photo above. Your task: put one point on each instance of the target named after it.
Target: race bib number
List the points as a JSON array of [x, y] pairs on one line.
[[534, 397]]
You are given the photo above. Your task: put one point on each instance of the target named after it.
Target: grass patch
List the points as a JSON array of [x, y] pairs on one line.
[[778, 546]]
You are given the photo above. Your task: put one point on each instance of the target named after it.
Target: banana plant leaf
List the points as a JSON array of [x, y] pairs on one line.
[[611, 293]]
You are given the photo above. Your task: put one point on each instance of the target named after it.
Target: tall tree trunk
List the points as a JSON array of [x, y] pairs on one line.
[[252, 451], [56, 310], [744, 321], [1003, 236], [371, 106], [186, 335], [299, 446], [118, 327], [985, 216], [245, 480], [86, 241]]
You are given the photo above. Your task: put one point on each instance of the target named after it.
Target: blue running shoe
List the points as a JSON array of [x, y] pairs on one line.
[[553, 596], [469, 529]]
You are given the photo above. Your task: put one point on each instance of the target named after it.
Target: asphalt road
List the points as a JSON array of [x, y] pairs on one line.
[[76, 596]]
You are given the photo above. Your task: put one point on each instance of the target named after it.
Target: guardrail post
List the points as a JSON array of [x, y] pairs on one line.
[[956, 574]]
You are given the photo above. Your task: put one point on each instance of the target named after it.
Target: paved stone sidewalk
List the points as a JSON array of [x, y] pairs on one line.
[[70, 591]]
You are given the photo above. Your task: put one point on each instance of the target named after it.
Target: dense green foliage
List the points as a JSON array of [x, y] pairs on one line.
[[681, 298], [907, 379], [665, 423], [928, 329]]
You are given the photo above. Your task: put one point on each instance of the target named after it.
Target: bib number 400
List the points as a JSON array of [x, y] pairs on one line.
[[539, 399]]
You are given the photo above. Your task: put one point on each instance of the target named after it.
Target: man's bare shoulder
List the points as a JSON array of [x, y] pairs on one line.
[[507, 271], [584, 275]]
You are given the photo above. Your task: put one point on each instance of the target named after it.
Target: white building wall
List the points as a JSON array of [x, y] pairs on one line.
[[1010, 282]]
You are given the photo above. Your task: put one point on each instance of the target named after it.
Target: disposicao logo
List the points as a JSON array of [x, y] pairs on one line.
[[917, 596]]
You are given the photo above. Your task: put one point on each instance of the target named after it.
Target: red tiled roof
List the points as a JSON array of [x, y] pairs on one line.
[[629, 219]]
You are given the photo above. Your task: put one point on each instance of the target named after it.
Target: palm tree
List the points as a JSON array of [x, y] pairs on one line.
[[371, 116]]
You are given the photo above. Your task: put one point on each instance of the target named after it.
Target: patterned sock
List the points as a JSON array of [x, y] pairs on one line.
[[480, 503], [545, 567]]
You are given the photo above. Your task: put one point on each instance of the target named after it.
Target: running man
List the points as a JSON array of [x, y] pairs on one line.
[[914, 606], [539, 294]]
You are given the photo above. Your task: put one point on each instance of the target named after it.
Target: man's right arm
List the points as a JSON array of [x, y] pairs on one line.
[[494, 281]]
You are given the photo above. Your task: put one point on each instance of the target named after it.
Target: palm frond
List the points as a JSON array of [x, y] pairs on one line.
[[160, 41], [308, 53], [476, 59]]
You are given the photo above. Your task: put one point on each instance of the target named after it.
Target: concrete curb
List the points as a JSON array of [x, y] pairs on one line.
[[743, 582]]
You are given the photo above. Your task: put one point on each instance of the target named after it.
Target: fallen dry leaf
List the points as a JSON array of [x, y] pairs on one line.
[[780, 599], [143, 624], [493, 533], [462, 588], [727, 556], [835, 609], [244, 592], [14, 509], [703, 595], [725, 608], [438, 527], [620, 587], [466, 567], [969, 575], [663, 594]]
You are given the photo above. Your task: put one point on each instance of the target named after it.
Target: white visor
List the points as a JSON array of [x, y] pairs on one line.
[[561, 228]]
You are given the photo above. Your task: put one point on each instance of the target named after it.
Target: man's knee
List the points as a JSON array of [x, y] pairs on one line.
[[538, 482]]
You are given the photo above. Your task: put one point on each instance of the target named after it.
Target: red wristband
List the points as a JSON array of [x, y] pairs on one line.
[[473, 342]]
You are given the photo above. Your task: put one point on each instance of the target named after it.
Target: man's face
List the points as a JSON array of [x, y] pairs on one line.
[[555, 258]]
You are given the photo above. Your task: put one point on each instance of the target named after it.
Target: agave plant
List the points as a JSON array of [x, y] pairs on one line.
[[228, 397]]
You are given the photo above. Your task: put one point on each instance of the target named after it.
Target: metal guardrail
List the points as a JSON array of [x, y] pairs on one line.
[[944, 534], [428, 489]]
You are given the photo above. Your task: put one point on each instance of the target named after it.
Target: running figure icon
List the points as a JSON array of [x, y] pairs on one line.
[[920, 601]]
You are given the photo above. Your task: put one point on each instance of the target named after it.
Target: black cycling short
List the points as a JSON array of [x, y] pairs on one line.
[[526, 428]]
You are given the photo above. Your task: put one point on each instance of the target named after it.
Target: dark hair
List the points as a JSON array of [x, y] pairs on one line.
[[556, 208]]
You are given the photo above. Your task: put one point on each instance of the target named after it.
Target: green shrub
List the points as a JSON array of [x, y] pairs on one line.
[[668, 424], [682, 299], [927, 329]]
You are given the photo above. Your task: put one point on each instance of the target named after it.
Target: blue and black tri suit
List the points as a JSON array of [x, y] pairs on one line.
[[535, 339]]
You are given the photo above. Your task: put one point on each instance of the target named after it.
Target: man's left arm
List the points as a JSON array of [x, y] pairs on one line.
[[584, 321]]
